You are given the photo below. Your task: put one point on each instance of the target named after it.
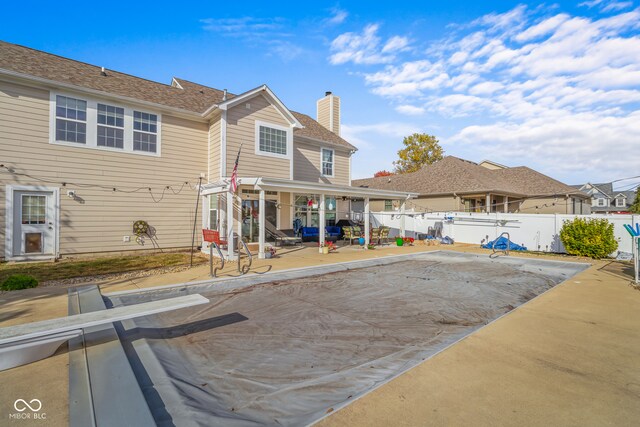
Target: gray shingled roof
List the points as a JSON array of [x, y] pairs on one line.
[[453, 175], [191, 96]]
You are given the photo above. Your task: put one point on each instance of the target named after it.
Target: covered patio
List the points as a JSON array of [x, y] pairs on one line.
[[228, 212]]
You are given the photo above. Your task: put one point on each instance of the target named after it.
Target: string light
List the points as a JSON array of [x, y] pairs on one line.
[[12, 171]]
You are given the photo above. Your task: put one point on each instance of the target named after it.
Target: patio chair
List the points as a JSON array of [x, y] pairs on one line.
[[384, 235], [282, 237], [357, 232], [348, 234], [375, 236]]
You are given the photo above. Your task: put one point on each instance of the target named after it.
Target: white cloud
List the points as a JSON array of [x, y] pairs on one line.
[[366, 47], [543, 86], [246, 26], [607, 6], [410, 110], [396, 43], [338, 16]]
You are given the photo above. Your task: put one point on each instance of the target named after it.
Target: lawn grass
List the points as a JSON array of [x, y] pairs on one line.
[[67, 269]]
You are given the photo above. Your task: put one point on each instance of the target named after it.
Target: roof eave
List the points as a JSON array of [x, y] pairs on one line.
[[349, 147], [68, 86]]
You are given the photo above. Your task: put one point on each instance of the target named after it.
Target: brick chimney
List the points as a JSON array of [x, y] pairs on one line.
[[328, 112]]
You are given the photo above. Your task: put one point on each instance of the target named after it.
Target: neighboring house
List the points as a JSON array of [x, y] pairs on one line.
[[86, 152], [605, 200], [454, 184]]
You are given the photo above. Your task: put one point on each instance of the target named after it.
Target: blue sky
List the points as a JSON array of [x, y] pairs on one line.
[[553, 86]]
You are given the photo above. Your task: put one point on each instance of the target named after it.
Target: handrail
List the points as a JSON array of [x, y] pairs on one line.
[[493, 245], [213, 271], [244, 269]]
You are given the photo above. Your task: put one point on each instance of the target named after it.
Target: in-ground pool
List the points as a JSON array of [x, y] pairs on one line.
[[290, 347]]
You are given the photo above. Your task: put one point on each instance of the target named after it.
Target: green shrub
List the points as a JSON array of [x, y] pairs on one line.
[[17, 282], [593, 238]]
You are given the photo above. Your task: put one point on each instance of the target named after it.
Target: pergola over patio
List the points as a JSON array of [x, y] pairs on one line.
[[263, 184]]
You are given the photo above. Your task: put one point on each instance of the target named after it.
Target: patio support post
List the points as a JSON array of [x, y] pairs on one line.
[[506, 204], [262, 227], [402, 223], [239, 231], [321, 210], [367, 233], [487, 205], [230, 242]]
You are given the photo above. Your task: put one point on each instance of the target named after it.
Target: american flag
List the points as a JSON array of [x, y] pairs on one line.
[[233, 187]]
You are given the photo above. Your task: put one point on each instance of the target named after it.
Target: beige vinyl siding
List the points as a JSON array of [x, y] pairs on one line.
[[241, 128], [286, 221], [214, 148], [99, 219], [336, 115], [323, 112], [548, 205], [306, 163]]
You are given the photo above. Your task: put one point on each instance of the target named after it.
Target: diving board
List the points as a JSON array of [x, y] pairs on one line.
[[29, 342]]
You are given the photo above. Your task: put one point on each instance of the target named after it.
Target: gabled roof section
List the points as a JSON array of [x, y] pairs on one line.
[[452, 175], [186, 96], [315, 132], [268, 93]]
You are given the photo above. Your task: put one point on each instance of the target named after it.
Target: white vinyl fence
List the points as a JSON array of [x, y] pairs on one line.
[[538, 232]]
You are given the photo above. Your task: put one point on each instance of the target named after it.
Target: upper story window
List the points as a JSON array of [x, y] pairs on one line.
[[601, 202], [145, 131], [98, 125], [71, 119], [327, 158], [273, 140], [110, 126], [620, 202]]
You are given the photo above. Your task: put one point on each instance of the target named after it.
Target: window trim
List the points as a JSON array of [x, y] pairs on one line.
[[333, 162], [621, 199], [92, 125], [601, 202], [286, 129]]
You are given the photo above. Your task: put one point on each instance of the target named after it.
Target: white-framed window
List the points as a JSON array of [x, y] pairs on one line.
[[388, 205], [327, 159], [620, 202], [602, 202], [145, 131], [273, 140], [71, 119], [110, 126], [83, 122]]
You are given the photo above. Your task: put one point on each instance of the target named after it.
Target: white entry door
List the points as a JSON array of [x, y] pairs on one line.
[[34, 223]]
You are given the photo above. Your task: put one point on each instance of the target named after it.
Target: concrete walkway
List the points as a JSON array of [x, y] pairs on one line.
[[568, 357]]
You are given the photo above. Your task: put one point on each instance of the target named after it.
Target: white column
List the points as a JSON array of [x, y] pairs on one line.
[[506, 204], [487, 205], [230, 245], [321, 212], [402, 224], [261, 229], [367, 233]]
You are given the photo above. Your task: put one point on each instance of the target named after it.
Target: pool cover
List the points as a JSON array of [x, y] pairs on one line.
[[289, 352]]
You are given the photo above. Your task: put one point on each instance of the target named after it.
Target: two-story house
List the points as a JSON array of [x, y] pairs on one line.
[[605, 200], [95, 160]]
